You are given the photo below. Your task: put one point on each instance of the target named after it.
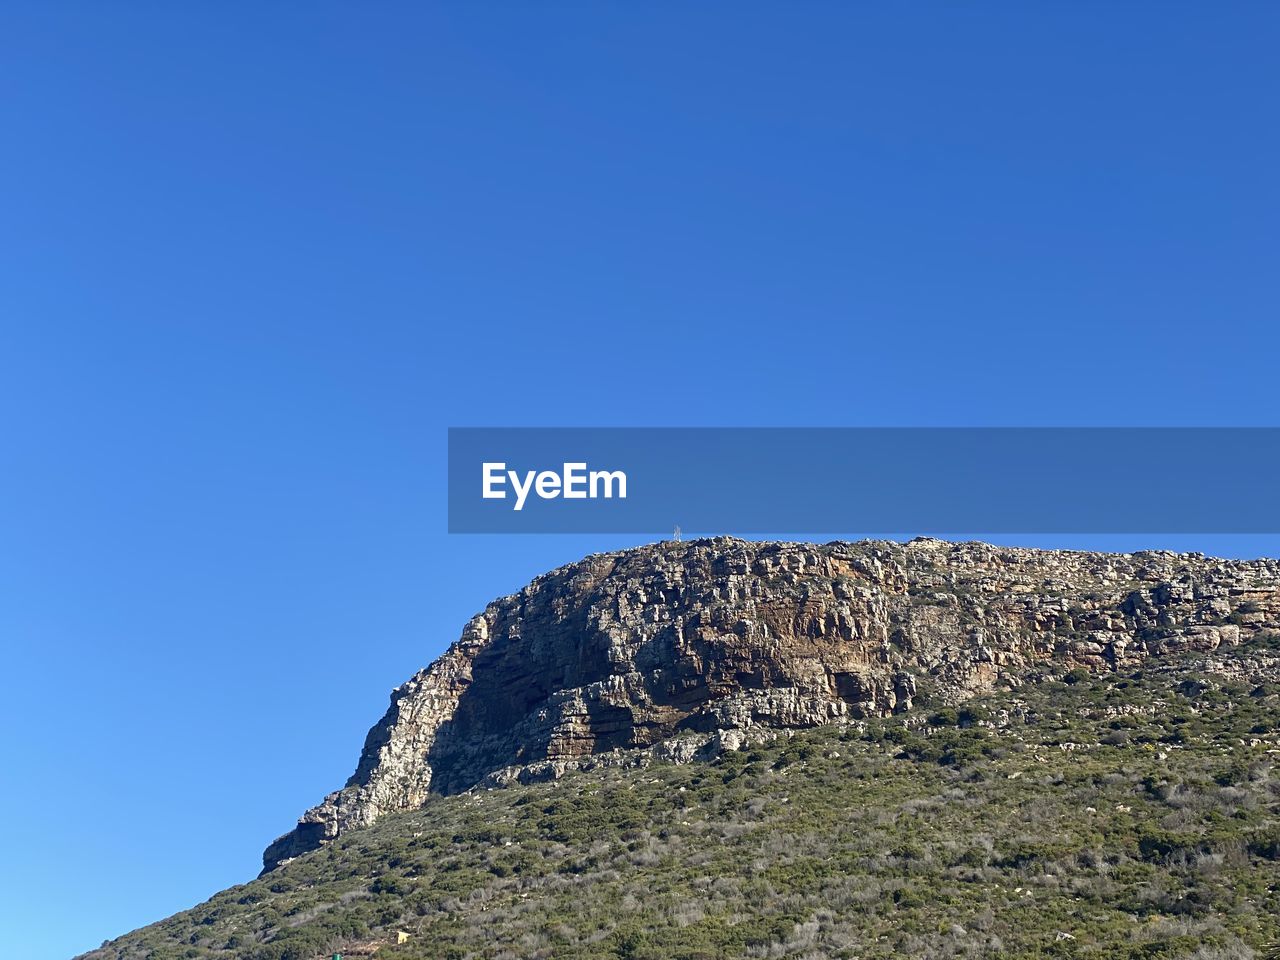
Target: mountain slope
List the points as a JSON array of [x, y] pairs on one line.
[[1127, 813]]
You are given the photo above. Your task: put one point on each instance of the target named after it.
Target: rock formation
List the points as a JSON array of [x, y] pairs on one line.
[[626, 650]]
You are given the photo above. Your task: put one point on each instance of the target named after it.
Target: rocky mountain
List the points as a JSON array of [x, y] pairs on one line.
[[681, 647]]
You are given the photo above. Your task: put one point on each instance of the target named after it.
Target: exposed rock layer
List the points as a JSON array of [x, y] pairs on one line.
[[625, 650]]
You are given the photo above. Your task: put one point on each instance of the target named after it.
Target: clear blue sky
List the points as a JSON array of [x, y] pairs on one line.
[[256, 257]]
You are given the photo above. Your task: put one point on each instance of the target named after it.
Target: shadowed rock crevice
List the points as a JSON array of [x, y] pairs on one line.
[[626, 650]]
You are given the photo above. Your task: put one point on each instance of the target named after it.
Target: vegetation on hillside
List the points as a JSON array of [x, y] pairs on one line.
[[1134, 814]]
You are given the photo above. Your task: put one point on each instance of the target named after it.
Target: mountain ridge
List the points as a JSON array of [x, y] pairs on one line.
[[624, 651]]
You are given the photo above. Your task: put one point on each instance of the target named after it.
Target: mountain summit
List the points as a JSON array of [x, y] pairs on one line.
[[677, 648]]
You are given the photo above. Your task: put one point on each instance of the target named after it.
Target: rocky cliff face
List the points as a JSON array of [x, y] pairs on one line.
[[626, 650]]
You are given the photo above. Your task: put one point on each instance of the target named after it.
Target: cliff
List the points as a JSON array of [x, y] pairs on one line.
[[624, 651]]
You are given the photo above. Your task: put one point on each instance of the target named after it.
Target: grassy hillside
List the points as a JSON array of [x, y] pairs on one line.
[[1127, 815]]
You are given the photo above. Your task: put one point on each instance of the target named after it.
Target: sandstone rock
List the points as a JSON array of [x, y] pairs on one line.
[[653, 653]]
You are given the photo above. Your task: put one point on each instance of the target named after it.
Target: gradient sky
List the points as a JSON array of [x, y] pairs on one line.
[[256, 257]]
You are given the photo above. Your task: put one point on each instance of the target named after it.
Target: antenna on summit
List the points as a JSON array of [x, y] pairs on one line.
[[675, 535]]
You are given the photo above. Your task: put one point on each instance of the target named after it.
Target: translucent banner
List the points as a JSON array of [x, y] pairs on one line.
[[815, 480]]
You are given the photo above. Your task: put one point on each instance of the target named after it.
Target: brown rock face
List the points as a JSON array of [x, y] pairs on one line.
[[624, 650]]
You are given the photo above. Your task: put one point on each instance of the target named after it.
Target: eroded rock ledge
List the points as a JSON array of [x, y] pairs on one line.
[[628, 650]]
